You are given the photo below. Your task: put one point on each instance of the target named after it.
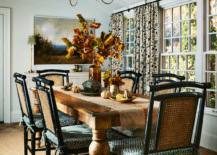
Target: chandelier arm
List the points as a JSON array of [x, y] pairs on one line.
[[70, 1], [106, 2]]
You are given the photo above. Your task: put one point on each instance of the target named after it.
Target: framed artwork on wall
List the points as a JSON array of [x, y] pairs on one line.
[[49, 48]]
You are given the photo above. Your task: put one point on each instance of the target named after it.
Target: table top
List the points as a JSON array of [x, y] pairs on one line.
[[92, 110]]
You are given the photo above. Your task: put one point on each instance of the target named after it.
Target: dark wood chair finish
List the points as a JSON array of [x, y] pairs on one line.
[[50, 112], [135, 79], [173, 96], [176, 120], [160, 78], [54, 72], [26, 110]]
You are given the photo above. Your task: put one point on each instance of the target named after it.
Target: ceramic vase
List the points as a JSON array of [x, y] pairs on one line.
[[114, 90]]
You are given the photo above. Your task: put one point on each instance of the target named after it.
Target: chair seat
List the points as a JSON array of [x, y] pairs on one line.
[[134, 146], [135, 133], [65, 120], [78, 136]]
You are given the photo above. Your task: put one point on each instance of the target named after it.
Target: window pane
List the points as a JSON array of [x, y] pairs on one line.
[[168, 31], [213, 42], [132, 48], [127, 24], [168, 15], [132, 23], [176, 29], [173, 62], [210, 101], [210, 77], [213, 23], [185, 44], [130, 62], [193, 44], [176, 45], [132, 36], [191, 62], [182, 73], [212, 7], [184, 28], [127, 36], [191, 90], [165, 62], [182, 62], [184, 14], [176, 13], [211, 62], [168, 46], [127, 49], [191, 76], [193, 27], [193, 10]]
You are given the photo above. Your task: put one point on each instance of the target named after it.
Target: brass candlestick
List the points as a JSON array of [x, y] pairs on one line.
[[31, 71], [31, 40]]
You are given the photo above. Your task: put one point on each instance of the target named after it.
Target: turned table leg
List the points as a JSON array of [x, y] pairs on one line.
[[35, 110], [99, 145]]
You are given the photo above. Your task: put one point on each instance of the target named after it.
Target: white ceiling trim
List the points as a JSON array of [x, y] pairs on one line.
[[173, 3], [132, 5]]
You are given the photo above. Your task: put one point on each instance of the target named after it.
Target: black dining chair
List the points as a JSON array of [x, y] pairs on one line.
[[131, 80], [167, 78], [33, 121], [56, 75], [72, 139], [176, 120]]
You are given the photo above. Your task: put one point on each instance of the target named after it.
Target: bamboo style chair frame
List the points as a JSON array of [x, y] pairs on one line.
[[135, 79], [26, 110], [53, 124], [53, 74], [163, 98], [160, 78]]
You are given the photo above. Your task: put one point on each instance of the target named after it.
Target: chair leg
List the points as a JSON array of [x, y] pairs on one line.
[[25, 140], [33, 142], [47, 144]]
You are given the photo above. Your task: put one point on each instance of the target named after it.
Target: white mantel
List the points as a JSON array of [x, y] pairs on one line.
[[76, 77]]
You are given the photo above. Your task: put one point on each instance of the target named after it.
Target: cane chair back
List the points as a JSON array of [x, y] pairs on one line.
[[160, 79], [131, 80], [23, 96], [55, 75], [176, 118], [48, 106]]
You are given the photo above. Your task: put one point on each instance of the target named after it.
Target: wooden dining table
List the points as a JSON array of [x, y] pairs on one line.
[[99, 118]]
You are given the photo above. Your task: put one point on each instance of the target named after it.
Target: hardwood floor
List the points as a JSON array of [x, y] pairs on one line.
[[14, 127]]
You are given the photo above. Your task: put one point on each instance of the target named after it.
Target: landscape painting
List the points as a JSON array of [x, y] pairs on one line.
[[49, 48]]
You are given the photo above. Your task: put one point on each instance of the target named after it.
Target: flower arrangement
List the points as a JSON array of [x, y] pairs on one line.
[[107, 76], [115, 80], [92, 47]]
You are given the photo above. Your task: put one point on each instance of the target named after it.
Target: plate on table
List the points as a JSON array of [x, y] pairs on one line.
[[89, 93], [123, 100]]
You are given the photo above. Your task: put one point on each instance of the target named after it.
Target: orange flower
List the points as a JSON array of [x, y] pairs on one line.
[[90, 47], [95, 25]]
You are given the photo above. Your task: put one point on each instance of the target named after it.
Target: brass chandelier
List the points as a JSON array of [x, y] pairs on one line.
[[70, 1]]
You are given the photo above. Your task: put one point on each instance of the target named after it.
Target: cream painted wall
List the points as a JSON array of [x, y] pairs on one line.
[[22, 14]]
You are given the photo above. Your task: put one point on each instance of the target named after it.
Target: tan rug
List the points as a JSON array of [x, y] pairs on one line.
[[13, 144]]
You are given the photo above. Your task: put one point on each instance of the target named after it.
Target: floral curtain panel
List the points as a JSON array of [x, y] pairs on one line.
[[116, 27], [146, 54]]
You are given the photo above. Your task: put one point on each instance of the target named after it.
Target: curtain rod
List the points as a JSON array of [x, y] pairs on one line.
[[135, 7]]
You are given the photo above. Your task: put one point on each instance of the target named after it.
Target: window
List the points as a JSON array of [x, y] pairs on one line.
[[180, 41], [129, 43], [210, 55]]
